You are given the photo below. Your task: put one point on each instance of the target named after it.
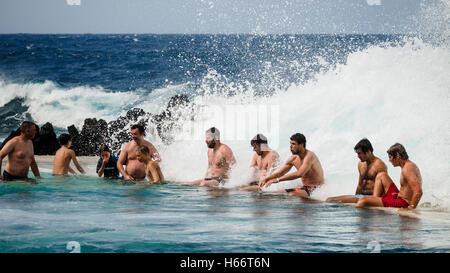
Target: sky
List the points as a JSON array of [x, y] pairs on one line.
[[210, 16]]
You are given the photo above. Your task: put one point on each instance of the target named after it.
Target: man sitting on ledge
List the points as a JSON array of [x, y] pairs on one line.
[[410, 184]]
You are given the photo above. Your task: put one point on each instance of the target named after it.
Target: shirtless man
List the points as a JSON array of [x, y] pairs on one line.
[[388, 194], [61, 162], [264, 162], [369, 167], [20, 154], [220, 160], [308, 168], [134, 168]]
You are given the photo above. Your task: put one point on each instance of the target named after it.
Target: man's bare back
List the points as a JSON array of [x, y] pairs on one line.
[[61, 162], [409, 177]]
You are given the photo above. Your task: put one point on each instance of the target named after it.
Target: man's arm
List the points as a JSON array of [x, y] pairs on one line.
[[360, 180], [71, 171], [154, 153], [35, 168], [283, 170], [208, 170], [101, 167], [414, 184], [254, 162], [122, 157], [304, 168], [152, 167], [75, 161], [7, 149]]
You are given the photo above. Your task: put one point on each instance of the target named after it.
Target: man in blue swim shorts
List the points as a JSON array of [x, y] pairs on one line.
[[369, 168]]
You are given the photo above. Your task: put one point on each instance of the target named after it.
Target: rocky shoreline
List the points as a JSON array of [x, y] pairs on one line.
[[114, 133]]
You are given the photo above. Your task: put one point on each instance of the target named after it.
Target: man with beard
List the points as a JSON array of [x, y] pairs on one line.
[[308, 168], [134, 168], [20, 154], [264, 162], [369, 167], [386, 194], [220, 160]]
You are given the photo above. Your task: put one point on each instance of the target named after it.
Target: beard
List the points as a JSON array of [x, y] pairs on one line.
[[212, 144]]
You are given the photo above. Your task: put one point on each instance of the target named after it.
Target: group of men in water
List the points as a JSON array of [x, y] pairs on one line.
[[141, 158]]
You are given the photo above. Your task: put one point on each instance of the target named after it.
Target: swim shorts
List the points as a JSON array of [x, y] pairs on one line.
[[9, 177], [218, 179], [308, 189], [254, 183], [392, 200]]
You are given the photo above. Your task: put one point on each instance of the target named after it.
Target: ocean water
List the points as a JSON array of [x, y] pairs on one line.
[[100, 216], [335, 89]]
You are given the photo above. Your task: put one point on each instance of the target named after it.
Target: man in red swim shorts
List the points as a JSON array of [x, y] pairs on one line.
[[410, 184]]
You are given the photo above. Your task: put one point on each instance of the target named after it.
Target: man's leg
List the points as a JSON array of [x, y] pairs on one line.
[[382, 184], [196, 182], [300, 193], [370, 201], [208, 183], [250, 188], [343, 199]]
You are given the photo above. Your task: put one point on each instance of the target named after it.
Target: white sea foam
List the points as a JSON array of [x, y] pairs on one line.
[[387, 94]]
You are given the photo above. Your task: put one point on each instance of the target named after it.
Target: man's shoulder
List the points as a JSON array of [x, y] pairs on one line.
[[226, 148], [379, 162], [147, 143], [14, 140], [128, 145], [409, 166]]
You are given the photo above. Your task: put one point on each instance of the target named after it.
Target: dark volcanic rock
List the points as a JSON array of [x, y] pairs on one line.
[[95, 132], [46, 142], [167, 121], [119, 130]]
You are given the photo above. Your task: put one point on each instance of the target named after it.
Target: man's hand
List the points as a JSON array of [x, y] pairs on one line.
[[268, 183], [261, 183], [105, 160], [129, 177]]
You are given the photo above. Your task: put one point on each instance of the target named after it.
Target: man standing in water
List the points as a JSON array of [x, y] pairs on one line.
[[264, 162], [308, 168], [20, 154], [220, 160], [61, 162], [134, 168], [386, 193], [369, 167]]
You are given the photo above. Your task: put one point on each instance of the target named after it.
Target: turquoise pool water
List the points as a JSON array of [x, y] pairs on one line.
[[102, 216]]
